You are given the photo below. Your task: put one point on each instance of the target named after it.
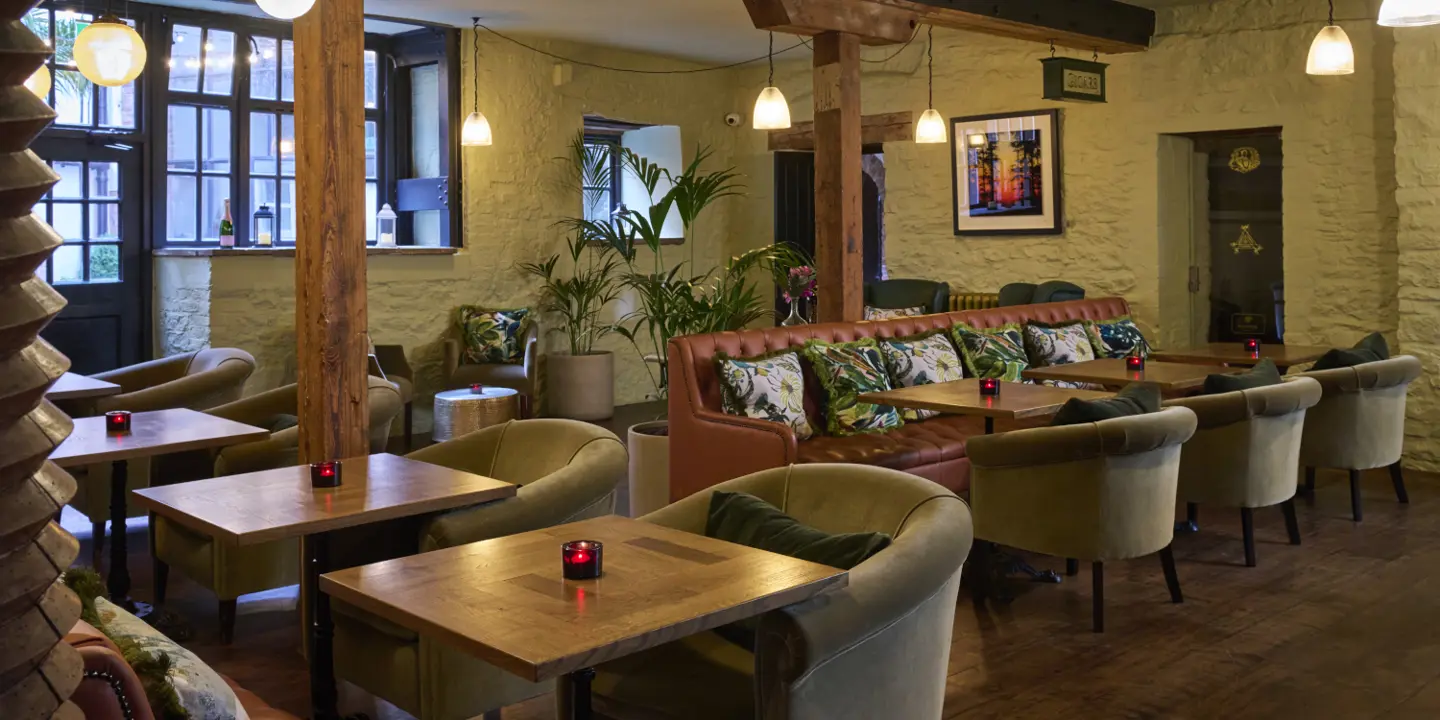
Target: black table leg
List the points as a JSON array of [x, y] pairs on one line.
[[323, 696], [573, 698], [117, 582], [989, 426]]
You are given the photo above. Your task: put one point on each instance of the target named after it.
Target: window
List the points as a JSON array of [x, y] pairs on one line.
[[427, 128], [607, 187], [84, 209], [600, 183], [79, 103]]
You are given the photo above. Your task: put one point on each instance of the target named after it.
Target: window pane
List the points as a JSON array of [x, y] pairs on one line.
[[219, 61], [215, 191], [42, 271], [287, 70], [104, 180], [185, 59], [69, 221], [74, 103], [371, 148], [425, 121], [68, 25], [263, 141], [371, 207], [72, 183], [287, 145], [182, 138], [427, 227], [38, 20], [372, 80], [69, 264], [264, 68], [180, 208], [262, 192], [286, 215], [104, 222], [597, 204], [117, 106], [215, 150], [104, 263]]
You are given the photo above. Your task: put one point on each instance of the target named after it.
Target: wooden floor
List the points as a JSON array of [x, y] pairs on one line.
[[1344, 626]]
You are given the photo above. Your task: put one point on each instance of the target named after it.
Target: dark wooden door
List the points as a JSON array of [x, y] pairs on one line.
[[96, 209], [795, 212], [1246, 235]]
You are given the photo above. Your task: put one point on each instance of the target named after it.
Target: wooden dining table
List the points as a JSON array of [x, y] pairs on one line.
[[72, 386], [1170, 378], [1284, 356], [962, 397], [505, 600]]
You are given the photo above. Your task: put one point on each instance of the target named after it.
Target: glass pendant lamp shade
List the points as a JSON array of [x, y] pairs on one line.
[[1331, 53], [39, 83], [1409, 13], [771, 110], [476, 131], [108, 52], [285, 9], [931, 128]]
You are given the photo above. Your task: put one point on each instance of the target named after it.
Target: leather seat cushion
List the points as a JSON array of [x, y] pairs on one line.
[[911, 445]]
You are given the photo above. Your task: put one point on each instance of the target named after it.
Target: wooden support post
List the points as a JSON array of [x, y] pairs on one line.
[[838, 247], [330, 316]]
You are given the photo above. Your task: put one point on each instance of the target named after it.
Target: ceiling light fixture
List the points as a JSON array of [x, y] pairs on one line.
[[771, 110], [1331, 53], [285, 9], [1409, 13], [476, 131], [108, 52], [39, 83], [931, 127]]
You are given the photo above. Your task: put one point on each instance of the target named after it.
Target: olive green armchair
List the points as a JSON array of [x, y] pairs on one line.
[[567, 471], [1359, 423], [1246, 452], [879, 648], [1092, 491], [230, 572], [520, 377]]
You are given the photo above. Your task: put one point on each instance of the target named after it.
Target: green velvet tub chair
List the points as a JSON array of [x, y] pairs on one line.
[[901, 294], [230, 572], [520, 377], [197, 380], [879, 648], [1246, 452], [1095, 491], [567, 470]]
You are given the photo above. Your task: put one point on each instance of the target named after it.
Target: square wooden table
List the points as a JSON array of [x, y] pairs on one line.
[[151, 433], [71, 386], [1284, 356], [505, 601], [1171, 378], [271, 505], [962, 397]]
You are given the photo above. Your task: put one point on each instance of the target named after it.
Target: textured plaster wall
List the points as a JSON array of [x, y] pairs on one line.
[[182, 305]]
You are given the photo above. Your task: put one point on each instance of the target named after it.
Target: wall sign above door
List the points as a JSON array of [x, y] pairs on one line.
[[1244, 160], [1074, 79]]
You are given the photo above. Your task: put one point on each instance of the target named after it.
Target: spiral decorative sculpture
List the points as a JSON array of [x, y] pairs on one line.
[[38, 671]]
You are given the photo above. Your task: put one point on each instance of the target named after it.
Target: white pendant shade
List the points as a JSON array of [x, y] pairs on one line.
[[39, 83], [285, 9], [109, 52], [771, 110], [476, 131], [1331, 53], [931, 128], [1409, 13]]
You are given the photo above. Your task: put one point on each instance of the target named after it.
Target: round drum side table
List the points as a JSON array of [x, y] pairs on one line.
[[458, 412]]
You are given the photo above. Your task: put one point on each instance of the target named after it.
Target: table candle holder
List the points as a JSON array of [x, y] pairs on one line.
[[477, 388], [1134, 362], [325, 474], [1252, 345], [989, 387], [581, 559], [117, 422]]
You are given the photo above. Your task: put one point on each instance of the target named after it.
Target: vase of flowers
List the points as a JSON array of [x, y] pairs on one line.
[[799, 285]]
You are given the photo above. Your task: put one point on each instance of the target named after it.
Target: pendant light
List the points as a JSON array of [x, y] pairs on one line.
[[1331, 52], [285, 9], [931, 127], [476, 131], [39, 83], [771, 110], [1409, 13], [108, 52]]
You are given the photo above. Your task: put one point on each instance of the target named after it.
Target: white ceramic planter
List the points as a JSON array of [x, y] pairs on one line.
[[580, 387], [649, 469]]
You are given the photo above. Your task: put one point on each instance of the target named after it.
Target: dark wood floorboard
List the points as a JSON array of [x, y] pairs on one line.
[[1343, 626]]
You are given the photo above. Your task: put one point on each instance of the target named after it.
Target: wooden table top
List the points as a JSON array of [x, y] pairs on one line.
[[272, 505], [1111, 372], [962, 397], [151, 433], [504, 600], [1235, 354], [76, 387]]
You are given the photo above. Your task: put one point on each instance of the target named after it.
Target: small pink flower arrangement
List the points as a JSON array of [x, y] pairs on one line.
[[800, 283]]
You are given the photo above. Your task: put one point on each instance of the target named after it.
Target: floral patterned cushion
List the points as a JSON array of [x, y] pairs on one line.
[[202, 692], [769, 387], [1059, 344], [1116, 337], [874, 313], [924, 359], [491, 336], [997, 352], [845, 371]]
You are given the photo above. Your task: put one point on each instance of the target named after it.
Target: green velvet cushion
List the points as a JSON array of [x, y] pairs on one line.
[[1263, 374], [997, 352], [282, 422], [1371, 348], [491, 336], [747, 520], [846, 371], [1135, 399]]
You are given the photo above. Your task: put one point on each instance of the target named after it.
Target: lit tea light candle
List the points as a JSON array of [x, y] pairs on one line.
[[325, 474], [989, 386], [1252, 345], [478, 389], [117, 422], [1135, 362], [581, 559]]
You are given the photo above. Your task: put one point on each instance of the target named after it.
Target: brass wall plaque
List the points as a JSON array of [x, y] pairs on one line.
[[1246, 242], [1244, 160], [1247, 324]]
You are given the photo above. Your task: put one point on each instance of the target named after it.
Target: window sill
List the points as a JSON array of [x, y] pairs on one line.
[[290, 251]]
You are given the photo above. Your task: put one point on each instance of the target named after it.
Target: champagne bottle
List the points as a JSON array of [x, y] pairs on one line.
[[227, 228]]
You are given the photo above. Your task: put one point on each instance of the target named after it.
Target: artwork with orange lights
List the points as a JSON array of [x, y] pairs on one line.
[[1007, 174]]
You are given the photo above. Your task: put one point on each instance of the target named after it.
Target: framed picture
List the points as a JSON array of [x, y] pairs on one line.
[[1007, 174]]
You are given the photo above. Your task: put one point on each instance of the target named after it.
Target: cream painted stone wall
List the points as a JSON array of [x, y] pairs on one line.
[[182, 305]]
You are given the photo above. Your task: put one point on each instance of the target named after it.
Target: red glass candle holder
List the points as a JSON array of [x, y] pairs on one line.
[[1134, 362], [1252, 345], [477, 388], [582, 559], [989, 387], [325, 474], [117, 422]]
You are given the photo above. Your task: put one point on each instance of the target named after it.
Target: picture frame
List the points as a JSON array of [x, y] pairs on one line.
[[1006, 174]]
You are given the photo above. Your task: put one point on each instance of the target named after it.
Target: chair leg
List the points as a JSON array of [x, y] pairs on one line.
[[161, 579], [1172, 578], [1192, 513], [1247, 529], [97, 543], [1072, 567], [1097, 592], [1310, 482], [1397, 476], [409, 425], [1292, 524], [1355, 510], [227, 621]]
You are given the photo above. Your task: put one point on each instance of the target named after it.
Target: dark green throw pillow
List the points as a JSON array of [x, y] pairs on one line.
[[283, 422], [1371, 348], [1264, 373], [1135, 399]]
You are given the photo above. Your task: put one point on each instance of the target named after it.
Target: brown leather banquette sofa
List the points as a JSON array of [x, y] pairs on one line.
[[708, 447]]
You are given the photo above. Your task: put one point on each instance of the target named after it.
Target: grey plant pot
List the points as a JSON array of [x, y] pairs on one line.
[[649, 469], [581, 387]]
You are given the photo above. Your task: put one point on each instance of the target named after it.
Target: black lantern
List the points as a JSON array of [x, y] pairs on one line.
[[264, 228]]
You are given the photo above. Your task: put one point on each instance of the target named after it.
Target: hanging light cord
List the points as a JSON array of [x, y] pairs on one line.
[[771, 81], [930, 62], [1332, 12], [475, 69], [637, 71]]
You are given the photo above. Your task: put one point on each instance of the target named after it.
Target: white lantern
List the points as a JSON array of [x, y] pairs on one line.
[[39, 83], [1331, 53], [771, 110], [1409, 13], [385, 226], [476, 131], [108, 52], [285, 9], [931, 128]]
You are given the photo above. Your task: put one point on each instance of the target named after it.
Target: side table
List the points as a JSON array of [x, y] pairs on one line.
[[458, 412]]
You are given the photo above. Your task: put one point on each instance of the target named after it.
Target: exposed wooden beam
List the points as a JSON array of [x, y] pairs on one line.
[[874, 130], [873, 23], [1106, 26], [838, 252]]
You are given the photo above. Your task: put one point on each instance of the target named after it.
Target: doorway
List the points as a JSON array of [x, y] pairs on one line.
[[96, 209]]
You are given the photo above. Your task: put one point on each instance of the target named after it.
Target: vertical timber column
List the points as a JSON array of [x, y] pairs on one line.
[[330, 315], [838, 246]]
